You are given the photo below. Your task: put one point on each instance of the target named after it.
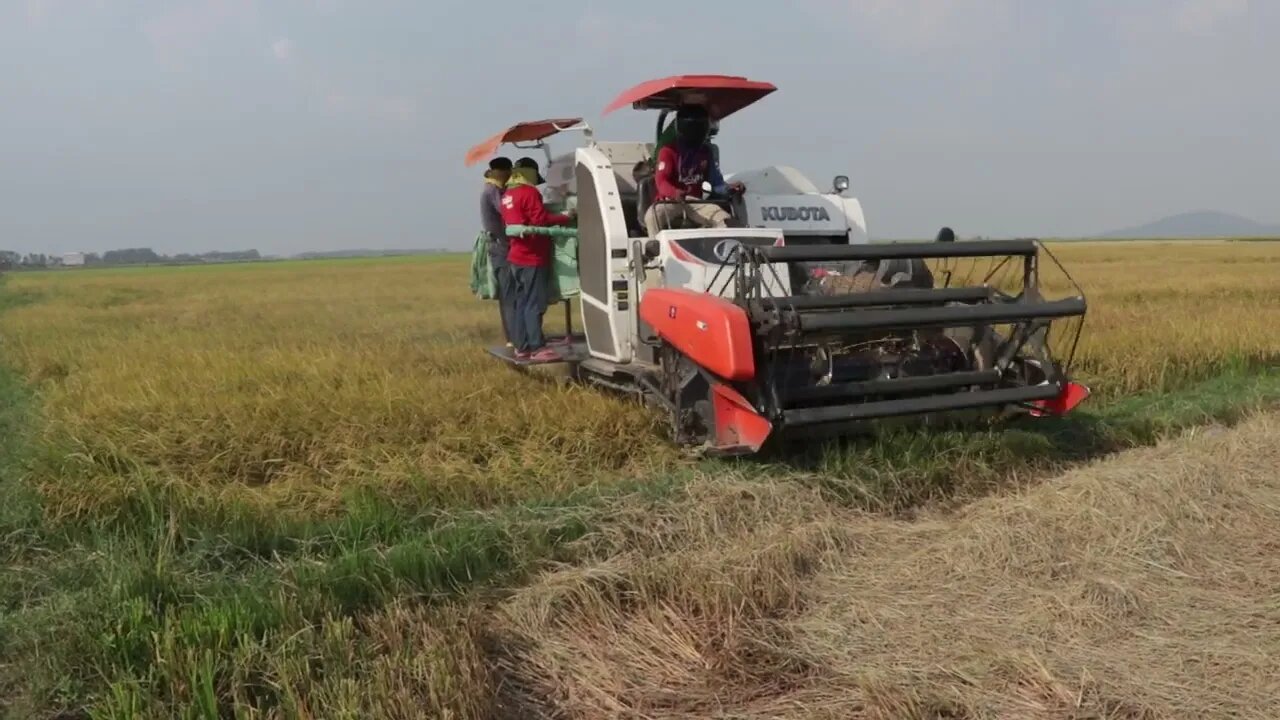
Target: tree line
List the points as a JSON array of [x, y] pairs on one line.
[[124, 256]]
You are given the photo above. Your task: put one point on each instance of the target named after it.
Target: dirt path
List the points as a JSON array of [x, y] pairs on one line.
[[1144, 585]]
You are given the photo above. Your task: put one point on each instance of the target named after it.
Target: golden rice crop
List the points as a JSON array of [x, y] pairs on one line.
[[285, 383], [1162, 314], [290, 380]]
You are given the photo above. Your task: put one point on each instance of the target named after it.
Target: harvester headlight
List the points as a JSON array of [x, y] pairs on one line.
[[841, 183]]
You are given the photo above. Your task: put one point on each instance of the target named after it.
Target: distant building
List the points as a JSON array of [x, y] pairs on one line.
[[74, 258]]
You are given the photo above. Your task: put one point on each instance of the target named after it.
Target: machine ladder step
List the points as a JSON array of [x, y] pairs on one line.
[[567, 351]]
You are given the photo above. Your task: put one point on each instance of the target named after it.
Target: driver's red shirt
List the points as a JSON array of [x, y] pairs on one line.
[[676, 175]]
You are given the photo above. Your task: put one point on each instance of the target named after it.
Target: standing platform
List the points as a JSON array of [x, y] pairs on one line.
[[571, 349]]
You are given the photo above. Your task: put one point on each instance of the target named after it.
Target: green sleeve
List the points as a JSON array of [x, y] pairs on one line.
[[667, 137]]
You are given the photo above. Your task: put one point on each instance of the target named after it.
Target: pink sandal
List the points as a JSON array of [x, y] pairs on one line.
[[545, 354]]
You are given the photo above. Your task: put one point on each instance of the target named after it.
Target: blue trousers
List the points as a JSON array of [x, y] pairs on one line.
[[529, 305], [506, 295]]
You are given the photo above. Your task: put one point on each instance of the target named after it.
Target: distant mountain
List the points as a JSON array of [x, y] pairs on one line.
[[1201, 224]]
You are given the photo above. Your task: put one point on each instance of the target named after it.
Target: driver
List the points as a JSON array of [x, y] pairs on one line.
[[683, 166]]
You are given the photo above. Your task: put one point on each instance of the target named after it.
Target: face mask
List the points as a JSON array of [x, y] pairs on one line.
[[692, 132]]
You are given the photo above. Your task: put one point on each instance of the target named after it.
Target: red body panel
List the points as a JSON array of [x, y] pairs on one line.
[[738, 426], [711, 331], [722, 94], [520, 132], [1072, 394]]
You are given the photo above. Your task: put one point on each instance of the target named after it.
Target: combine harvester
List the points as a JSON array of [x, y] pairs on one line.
[[792, 324]]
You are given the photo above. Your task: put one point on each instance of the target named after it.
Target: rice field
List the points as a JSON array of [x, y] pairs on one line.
[[302, 489]]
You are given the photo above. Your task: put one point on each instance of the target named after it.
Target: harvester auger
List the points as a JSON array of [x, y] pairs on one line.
[[792, 324]]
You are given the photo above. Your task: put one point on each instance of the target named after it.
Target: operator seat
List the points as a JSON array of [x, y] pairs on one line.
[[646, 190]]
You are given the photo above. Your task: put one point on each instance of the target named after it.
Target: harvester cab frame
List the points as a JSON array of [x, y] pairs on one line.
[[793, 324]]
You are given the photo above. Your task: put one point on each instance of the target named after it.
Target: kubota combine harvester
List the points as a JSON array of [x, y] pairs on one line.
[[791, 323]]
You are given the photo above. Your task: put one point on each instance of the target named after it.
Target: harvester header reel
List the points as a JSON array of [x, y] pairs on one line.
[[871, 335]]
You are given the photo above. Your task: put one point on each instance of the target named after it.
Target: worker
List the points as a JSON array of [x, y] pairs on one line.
[[682, 168], [495, 183], [529, 260]]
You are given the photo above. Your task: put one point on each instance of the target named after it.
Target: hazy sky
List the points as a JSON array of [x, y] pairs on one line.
[[294, 125]]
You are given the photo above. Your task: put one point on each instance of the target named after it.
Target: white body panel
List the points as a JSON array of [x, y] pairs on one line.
[[857, 221], [804, 214], [776, 180], [680, 268], [782, 197], [604, 254]]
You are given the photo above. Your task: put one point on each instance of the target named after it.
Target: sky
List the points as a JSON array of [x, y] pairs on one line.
[[294, 125]]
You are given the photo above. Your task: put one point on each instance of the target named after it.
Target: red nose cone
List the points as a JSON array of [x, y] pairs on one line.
[[1073, 393]]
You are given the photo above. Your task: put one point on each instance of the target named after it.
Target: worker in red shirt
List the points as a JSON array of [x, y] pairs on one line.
[[683, 166], [529, 259]]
